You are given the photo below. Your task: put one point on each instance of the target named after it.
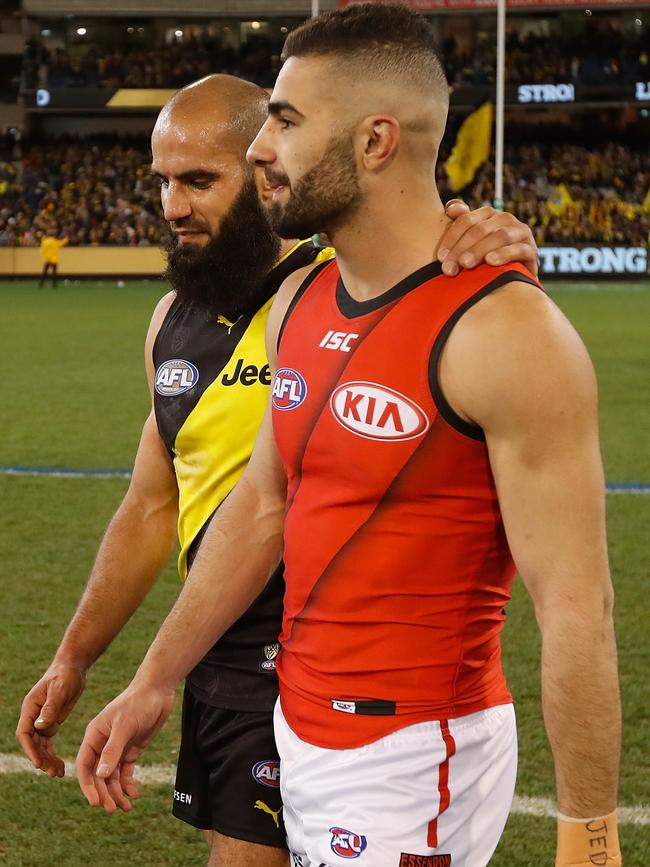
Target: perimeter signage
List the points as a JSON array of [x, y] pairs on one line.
[[593, 261]]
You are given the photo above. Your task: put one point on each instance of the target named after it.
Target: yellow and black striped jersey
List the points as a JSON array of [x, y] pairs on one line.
[[211, 388]]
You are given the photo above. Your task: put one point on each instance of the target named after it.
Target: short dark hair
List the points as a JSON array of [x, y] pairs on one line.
[[386, 37]]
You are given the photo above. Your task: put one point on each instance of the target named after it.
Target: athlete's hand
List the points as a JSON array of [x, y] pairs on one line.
[[114, 741], [484, 235], [44, 708]]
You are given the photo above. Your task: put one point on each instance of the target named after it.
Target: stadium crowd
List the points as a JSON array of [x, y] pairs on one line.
[[101, 192], [599, 53]]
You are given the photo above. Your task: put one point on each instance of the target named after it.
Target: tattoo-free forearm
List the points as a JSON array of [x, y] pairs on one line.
[[135, 547], [240, 549], [581, 705]]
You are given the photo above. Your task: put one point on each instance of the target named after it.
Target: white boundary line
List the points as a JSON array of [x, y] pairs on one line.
[[163, 775]]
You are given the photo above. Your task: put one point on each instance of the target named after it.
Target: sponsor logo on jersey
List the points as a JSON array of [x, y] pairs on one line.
[[347, 844], [248, 375], [408, 860], [267, 773], [338, 340], [289, 389], [344, 706], [175, 377], [376, 412]]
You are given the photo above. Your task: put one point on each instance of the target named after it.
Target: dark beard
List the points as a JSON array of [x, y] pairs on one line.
[[323, 197], [227, 275]]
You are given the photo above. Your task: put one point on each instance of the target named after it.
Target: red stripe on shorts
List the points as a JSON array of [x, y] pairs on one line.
[[443, 783]]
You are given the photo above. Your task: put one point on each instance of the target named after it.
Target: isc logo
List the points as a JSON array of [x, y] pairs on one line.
[[289, 389], [346, 844], [176, 376], [377, 412], [338, 340], [268, 773]]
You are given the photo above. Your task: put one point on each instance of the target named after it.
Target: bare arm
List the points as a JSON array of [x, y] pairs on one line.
[[135, 547], [537, 404], [239, 551]]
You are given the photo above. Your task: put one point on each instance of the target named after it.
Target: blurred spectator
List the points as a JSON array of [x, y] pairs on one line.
[[100, 191], [592, 50]]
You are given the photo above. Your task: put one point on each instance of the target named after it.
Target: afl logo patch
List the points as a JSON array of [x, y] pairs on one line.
[[377, 412], [346, 844], [289, 389], [175, 377], [267, 773]]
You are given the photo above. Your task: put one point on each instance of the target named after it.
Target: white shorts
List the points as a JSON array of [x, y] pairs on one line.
[[428, 795]]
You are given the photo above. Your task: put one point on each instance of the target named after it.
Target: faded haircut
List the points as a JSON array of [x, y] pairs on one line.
[[387, 39]]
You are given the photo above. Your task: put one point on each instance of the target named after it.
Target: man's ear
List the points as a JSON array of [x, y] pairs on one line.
[[380, 137]]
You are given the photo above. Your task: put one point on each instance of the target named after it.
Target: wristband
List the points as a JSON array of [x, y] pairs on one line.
[[588, 842]]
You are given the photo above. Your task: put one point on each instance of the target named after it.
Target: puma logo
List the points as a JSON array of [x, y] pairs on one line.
[[229, 325], [260, 805]]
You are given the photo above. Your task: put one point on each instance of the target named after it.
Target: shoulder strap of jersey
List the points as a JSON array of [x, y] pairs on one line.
[[309, 279]]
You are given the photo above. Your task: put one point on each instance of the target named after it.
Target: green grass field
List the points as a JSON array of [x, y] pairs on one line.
[[75, 396]]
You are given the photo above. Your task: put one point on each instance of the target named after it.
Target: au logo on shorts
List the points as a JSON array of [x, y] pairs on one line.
[[289, 389], [267, 773], [176, 376], [347, 844]]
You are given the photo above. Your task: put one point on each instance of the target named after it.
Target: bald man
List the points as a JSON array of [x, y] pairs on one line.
[[209, 378]]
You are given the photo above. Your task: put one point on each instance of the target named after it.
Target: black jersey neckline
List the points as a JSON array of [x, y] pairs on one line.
[[351, 308]]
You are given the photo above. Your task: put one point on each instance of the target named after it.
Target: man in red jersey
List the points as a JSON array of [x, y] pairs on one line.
[[426, 433]]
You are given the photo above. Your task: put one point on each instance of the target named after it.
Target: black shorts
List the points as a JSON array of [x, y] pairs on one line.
[[228, 775]]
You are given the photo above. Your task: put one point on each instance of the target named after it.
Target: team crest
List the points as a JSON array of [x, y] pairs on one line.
[[346, 844], [176, 377], [289, 389]]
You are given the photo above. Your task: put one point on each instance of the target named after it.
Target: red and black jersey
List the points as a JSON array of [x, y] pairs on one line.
[[396, 560]]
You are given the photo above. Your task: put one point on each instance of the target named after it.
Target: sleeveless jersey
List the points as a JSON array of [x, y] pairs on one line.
[[211, 389], [397, 567]]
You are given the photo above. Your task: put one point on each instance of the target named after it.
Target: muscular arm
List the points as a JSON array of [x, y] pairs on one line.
[[240, 549], [537, 404], [134, 549]]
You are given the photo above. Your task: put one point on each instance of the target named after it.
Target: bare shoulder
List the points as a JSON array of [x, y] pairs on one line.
[[157, 318], [285, 295], [514, 351]]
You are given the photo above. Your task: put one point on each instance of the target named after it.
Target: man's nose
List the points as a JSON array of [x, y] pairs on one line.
[[261, 152], [176, 203]]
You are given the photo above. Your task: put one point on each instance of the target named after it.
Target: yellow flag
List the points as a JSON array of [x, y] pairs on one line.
[[472, 147]]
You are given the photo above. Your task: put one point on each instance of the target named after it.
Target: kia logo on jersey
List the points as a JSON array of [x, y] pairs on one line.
[[346, 844], [377, 412], [267, 773], [175, 377], [289, 389]]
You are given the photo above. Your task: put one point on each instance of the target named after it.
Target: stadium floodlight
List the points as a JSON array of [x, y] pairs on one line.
[[178, 34], [314, 8], [81, 31]]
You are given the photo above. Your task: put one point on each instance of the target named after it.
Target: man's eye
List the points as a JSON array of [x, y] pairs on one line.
[[164, 183], [202, 183], [285, 123]]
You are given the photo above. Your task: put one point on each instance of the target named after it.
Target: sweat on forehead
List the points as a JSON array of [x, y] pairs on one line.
[[217, 106]]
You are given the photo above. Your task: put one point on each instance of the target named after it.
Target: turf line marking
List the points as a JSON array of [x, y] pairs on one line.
[[164, 775], [65, 473], [71, 473]]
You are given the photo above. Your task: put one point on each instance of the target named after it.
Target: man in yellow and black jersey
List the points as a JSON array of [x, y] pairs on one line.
[[209, 380]]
